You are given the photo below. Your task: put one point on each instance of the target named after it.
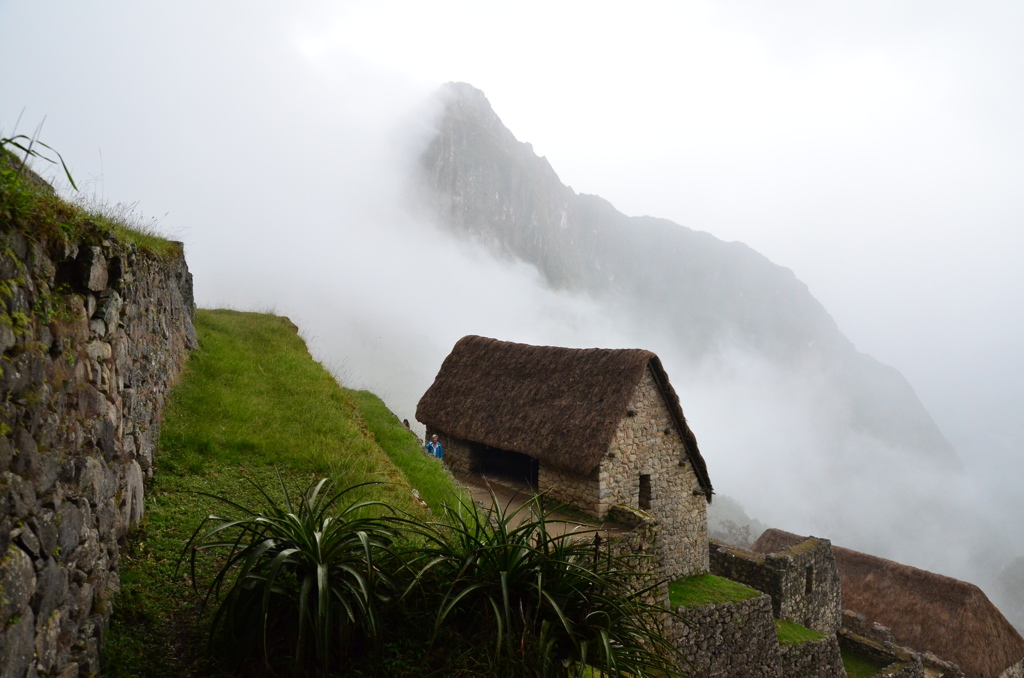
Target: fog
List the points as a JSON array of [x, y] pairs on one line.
[[875, 151]]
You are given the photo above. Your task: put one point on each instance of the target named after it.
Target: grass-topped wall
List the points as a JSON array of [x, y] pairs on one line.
[[95, 322]]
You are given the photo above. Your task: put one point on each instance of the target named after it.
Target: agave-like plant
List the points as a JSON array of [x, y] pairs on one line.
[[298, 578], [539, 603]]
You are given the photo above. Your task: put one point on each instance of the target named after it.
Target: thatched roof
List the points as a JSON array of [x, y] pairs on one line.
[[925, 611], [559, 405]]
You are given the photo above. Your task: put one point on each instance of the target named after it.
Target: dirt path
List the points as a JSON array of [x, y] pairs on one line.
[[511, 498]]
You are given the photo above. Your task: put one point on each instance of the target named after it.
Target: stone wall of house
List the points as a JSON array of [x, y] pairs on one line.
[[458, 454], [636, 537], [728, 640], [1015, 671], [580, 492], [802, 580], [92, 335], [648, 444], [813, 659]]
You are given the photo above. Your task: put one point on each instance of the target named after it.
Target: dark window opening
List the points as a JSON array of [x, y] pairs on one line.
[[645, 492], [511, 467], [809, 585]]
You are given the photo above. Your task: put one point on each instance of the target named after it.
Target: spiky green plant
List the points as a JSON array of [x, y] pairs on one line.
[[536, 603], [297, 579], [27, 146]]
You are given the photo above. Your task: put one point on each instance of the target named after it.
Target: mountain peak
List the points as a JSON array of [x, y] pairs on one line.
[[703, 292]]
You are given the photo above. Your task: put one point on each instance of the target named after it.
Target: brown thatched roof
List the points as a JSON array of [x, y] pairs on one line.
[[926, 611], [558, 405]]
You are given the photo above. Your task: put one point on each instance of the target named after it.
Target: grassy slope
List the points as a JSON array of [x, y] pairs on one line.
[[251, 400], [405, 450]]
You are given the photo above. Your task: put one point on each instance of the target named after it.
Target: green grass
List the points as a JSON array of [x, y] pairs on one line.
[[40, 213], [404, 449], [859, 666], [250, 402], [705, 589], [790, 633], [253, 395]]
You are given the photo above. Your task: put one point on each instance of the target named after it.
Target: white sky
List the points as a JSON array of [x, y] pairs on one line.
[[875, 148]]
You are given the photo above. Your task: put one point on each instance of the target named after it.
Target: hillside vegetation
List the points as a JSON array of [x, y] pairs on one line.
[[251, 403]]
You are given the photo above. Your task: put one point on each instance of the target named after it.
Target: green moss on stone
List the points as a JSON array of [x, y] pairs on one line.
[[790, 633]]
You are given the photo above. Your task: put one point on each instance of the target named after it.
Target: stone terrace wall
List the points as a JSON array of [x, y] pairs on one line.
[[813, 659], [728, 640], [802, 580], [856, 625], [899, 662], [92, 335]]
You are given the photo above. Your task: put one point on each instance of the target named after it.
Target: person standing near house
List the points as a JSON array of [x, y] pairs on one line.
[[434, 448]]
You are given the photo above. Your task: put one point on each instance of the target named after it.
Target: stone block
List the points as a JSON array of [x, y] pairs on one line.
[[92, 403], [70, 523], [94, 269], [17, 647], [7, 338], [6, 452], [46, 641], [27, 540], [51, 588], [30, 464], [111, 311], [17, 583], [134, 493], [44, 526], [21, 495], [99, 350]]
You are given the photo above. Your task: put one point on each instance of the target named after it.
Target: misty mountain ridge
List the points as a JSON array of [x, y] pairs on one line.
[[708, 295]]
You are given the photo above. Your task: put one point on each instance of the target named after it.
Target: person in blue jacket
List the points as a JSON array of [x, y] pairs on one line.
[[434, 448]]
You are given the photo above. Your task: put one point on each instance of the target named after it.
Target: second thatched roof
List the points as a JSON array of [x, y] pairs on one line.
[[559, 405], [953, 619]]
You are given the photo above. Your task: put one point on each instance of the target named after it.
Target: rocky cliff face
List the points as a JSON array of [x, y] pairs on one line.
[[706, 293], [92, 334]]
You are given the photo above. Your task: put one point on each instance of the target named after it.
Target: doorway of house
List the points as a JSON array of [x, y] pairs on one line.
[[506, 466]]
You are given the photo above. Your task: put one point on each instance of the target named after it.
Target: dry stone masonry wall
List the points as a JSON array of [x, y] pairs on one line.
[[92, 335], [728, 640], [583, 493], [458, 455], [877, 639], [647, 469], [802, 580], [813, 659], [898, 661]]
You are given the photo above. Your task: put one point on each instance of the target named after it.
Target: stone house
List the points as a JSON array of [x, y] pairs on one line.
[[801, 578], [942, 619], [592, 428]]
